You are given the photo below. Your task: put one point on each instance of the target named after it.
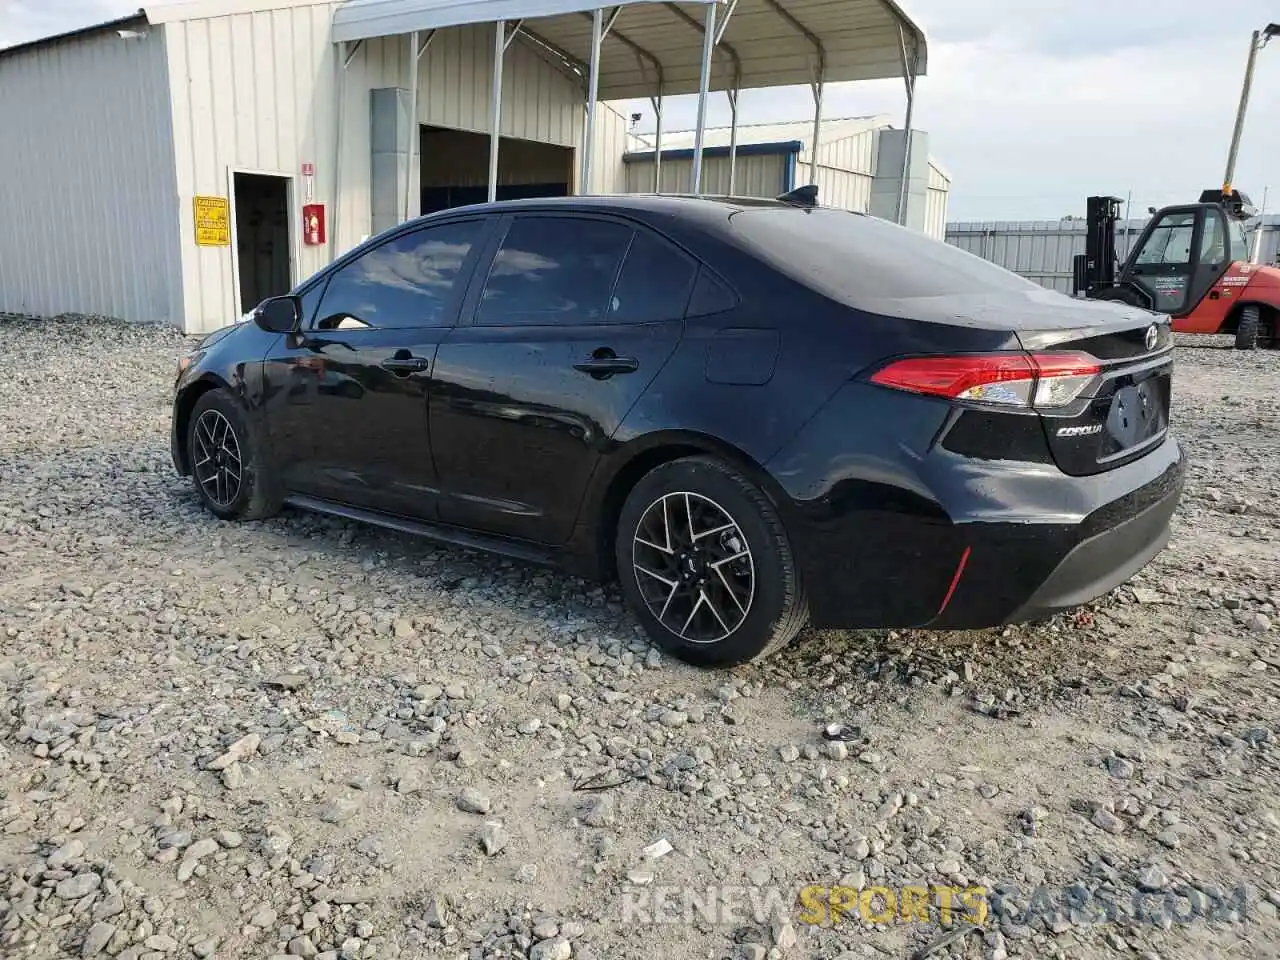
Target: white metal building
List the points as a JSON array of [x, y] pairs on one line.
[[858, 168], [181, 164]]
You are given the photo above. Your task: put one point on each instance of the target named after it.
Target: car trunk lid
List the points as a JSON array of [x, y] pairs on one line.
[[1124, 411]]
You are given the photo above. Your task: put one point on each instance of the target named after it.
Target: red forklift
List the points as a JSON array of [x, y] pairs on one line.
[[1192, 261]]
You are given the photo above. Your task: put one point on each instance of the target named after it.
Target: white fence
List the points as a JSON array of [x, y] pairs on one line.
[[1044, 251]]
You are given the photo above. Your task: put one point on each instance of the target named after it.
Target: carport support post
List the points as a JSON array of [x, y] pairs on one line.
[[909, 78], [413, 122], [817, 127], [733, 136], [593, 90], [657, 144], [495, 105], [704, 85]]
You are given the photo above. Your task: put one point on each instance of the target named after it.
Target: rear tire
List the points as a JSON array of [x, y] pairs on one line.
[[1249, 328], [706, 566], [228, 463]]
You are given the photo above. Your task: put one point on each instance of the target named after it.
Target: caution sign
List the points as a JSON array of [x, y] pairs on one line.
[[213, 222]]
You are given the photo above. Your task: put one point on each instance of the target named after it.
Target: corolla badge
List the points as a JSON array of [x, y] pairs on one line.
[[1153, 336], [1088, 431]]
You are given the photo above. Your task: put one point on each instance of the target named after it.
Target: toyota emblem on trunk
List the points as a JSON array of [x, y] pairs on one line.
[[1153, 335]]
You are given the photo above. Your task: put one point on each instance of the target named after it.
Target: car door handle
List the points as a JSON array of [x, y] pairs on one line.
[[607, 366], [404, 364]]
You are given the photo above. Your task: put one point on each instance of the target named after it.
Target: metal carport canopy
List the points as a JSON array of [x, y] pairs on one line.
[[660, 48], [764, 43]]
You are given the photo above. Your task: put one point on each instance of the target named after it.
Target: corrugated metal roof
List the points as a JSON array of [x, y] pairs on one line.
[[133, 20], [766, 43], [365, 19]]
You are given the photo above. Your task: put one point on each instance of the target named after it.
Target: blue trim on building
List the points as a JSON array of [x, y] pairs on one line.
[[789, 172], [789, 148]]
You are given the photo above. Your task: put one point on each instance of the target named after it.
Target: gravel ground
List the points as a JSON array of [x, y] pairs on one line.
[[313, 738]]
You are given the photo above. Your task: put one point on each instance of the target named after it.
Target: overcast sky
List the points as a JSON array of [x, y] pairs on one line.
[[1032, 105]]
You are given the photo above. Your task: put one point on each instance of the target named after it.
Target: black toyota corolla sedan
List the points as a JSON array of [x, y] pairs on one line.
[[753, 414]]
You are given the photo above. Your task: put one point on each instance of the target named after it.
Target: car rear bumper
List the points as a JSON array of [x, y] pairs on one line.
[[950, 542], [1100, 563]]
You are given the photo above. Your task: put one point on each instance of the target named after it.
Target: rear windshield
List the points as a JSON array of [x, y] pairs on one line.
[[858, 259]]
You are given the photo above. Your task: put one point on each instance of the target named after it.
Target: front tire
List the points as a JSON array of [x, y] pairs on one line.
[[1248, 329], [706, 566], [228, 465]]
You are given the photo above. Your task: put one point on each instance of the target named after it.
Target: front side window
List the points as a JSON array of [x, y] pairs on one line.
[[1170, 241], [410, 281], [554, 270]]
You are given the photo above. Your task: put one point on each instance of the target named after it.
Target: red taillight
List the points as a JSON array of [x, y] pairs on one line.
[[1005, 379]]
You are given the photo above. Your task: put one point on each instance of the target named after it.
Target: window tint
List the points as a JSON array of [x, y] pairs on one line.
[[860, 258], [554, 270], [1170, 241], [654, 284], [406, 282], [710, 296]]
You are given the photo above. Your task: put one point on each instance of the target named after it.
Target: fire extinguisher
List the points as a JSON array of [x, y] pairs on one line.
[[313, 232]]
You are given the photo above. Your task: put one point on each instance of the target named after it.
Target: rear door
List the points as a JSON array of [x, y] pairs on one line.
[[561, 335], [346, 403]]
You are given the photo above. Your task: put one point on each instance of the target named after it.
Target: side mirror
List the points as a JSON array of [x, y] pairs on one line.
[[279, 315]]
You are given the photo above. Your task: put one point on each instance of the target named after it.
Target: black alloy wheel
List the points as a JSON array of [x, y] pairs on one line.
[[228, 466], [706, 565]]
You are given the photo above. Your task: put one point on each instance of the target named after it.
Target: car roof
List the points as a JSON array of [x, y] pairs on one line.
[[707, 209]]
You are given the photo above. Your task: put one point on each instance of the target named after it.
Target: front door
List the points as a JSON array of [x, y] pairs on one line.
[[346, 405], [1164, 264], [574, 318]]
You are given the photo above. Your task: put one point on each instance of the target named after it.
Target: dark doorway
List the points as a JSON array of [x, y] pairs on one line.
[[455, 168], [264, 247]]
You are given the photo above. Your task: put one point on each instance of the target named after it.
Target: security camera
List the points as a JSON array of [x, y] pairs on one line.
[[130, 34]]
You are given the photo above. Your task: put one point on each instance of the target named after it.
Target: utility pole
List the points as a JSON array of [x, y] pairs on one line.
[[1258, 40]]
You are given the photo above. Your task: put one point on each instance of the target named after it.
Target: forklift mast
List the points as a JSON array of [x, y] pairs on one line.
[[1095, 269]]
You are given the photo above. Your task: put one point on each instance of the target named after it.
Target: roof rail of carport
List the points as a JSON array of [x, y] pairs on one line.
[[760, 43]]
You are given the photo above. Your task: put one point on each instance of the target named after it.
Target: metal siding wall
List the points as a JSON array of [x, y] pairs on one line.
[[87, 181], [753, 176], [844, 173], [255, 91], [456, 76], [258, 91], [935, 214], [1044, 251], [608, 172]]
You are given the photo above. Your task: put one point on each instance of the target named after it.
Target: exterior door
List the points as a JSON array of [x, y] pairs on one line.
[[346, 405], [574, 318], [1163, 265]]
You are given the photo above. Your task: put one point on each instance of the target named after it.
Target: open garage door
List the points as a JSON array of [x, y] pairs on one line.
[[455, 168]]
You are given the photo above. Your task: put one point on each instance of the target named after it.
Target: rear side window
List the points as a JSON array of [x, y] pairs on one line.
[[654, 285], [554, 270], [859, 258], [710, 296]]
